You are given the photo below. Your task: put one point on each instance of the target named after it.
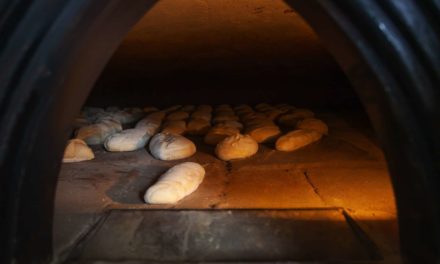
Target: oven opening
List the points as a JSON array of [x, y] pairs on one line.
[[272, 156]]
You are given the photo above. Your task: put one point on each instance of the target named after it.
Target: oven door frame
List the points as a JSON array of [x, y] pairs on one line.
[[53, 51]]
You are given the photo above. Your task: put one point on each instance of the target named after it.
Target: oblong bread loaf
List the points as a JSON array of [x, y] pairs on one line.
[[264, 134], [149, 126], [221, 118], [234, 124], [178, 182], [174, 127], [198, 127], [172, 108], [205, 108], [165, 146], [218, 133], [313, 124], [188, 108], [76, 151], [149, 109], [177, 115], [127, 140], [97, 133], [297, 139], [236, 147], [201, 115]]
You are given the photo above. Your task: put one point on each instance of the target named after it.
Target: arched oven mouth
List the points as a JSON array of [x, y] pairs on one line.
[[355, 192]]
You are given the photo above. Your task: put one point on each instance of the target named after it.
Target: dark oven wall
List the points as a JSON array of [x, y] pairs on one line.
[[222, 52]]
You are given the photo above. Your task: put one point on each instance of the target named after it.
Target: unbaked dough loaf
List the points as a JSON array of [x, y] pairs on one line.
[[198, 127], [77, 150], [236, 147], [178, 182], [174, 127], [218, 133], [165, 146], [177, 115], [127, 140], [297, 139], [97, 133], [313, 124]]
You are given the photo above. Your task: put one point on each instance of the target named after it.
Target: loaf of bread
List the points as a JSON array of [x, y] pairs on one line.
[[188, 108], [198, 127], [234, 124], [174, 127], [200, 114], [151, 123], [165, 146], [97, 133], [297, 139], [264, 133], [177, 115], [171, 109], [150, 109], [236, 147], [204, 108], [218, 133], [76, 151], [178, 182], [291, 118], [262, 106], [313, 124], [222, 118], [127, 140]]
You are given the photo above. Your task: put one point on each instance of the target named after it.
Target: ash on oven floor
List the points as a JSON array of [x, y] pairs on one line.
[[226, 235]]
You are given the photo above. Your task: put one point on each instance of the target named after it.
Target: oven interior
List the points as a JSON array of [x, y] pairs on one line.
[[329, 201]]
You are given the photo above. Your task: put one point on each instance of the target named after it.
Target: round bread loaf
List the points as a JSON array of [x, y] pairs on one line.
[[76, 151], [165, 146], [236, 147]]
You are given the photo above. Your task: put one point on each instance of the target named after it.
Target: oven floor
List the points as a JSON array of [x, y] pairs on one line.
[[345, 170]]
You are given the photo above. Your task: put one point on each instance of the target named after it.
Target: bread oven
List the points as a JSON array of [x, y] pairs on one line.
[[220, 131]]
